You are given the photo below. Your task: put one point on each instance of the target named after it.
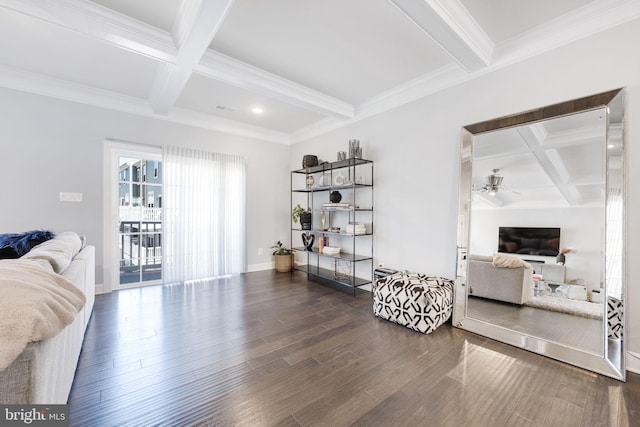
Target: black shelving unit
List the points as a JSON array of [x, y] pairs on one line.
[[353, 178]]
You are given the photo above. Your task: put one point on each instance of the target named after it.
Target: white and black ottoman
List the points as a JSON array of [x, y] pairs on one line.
[[614, 318], [417, 301]]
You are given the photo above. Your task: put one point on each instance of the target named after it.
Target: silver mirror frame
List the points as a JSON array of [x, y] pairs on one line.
[[612, 362]]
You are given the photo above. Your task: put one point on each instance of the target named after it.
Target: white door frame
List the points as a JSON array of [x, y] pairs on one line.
[[113, 150]]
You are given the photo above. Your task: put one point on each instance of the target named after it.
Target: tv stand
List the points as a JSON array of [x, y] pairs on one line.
[[549, 272]]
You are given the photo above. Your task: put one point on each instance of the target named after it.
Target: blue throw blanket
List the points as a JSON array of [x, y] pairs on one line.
[[14, 245]]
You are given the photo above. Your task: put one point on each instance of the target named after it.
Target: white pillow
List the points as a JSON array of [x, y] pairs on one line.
[[58, 251], [508, 261]]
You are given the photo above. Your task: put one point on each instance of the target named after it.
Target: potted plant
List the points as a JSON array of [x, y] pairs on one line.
[[304, 215], [282, 256]]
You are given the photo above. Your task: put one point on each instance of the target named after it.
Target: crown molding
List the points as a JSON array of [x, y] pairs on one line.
[[206, 121], [13, 78], [427, 84], [430, 83], [90, 19], [319, 128], [452, 27], [25, 81], [223, 68], [588, 20]]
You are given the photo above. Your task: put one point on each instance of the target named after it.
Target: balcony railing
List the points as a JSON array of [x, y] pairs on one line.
[[138, 213], [141, 248]]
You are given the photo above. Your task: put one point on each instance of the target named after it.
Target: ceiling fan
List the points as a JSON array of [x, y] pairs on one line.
[[492, 185]]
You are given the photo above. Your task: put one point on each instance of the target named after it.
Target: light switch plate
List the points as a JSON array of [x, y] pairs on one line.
[[70, 197]]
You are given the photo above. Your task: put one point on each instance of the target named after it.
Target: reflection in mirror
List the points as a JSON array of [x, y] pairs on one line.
[[541, 223]]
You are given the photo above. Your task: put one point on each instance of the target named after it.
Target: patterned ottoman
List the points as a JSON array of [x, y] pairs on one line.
[[614, 318], [417, 301]]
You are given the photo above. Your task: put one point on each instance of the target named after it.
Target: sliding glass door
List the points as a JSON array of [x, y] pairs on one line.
[[139, 249]]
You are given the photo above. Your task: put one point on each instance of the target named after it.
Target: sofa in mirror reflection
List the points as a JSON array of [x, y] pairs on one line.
[[485, 280]]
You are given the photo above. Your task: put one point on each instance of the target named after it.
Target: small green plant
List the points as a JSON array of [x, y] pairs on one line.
[[297, 211], [279, 249]]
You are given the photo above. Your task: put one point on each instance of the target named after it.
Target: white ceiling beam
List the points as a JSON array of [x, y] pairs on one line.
[[197, 22], [231, 71], [452, 27], [92, 20], [38, 84], [530, 135]]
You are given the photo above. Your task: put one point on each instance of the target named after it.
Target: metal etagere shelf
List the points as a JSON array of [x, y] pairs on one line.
[[312, 187]]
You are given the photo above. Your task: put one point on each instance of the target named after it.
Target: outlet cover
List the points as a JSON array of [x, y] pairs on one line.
[[70, 197]]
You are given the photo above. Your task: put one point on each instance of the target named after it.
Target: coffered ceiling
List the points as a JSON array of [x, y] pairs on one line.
[[311, 65], [555, 163]]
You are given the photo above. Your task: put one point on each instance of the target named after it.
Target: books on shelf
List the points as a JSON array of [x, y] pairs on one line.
[[331, 250], [356, 228], [336, 206]]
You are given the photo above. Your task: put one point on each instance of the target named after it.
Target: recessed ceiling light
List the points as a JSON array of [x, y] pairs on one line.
[[257, 110]]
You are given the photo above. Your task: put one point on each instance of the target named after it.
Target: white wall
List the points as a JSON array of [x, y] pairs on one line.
[[415, 148], [48, 146], [580, 228]]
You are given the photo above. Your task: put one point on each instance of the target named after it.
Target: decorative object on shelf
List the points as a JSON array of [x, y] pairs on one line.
[[304, 215], [335, 197], [324, 241], [323, 220], [339, 179], [309, 181], [354, 146], [309, 160], [282, 256], [325, 179], [341, 269], [560, 259], [342, 155], [359, 179], [334, 229], [307, 241]]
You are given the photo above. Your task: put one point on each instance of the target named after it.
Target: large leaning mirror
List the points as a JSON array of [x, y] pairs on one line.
[[540, 232]]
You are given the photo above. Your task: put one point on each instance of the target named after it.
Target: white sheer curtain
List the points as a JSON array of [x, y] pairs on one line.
[[204, 208], [614, 246]]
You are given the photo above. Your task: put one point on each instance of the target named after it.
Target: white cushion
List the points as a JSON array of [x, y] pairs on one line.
[[58, 251], [509, 261]]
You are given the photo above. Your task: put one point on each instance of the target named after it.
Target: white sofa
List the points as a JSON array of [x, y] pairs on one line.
[[513, 285], [43, 373]]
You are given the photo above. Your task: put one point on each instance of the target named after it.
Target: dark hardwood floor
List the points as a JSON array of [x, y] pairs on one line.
[[272, 348]]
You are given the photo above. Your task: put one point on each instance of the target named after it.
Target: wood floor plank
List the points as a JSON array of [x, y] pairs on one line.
[[268, 348]]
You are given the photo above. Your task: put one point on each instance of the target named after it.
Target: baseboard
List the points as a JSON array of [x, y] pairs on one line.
[[260, 267], [633, 362], [100, 288]]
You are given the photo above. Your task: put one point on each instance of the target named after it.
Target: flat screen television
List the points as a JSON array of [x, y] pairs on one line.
[[529, 240]]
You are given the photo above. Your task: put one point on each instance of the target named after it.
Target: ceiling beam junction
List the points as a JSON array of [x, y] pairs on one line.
[[453, 28], [533, 136], [197, 22]]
